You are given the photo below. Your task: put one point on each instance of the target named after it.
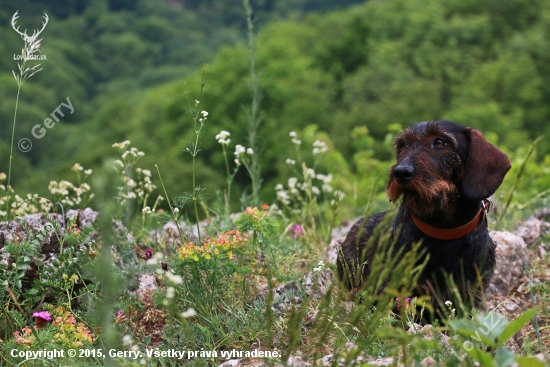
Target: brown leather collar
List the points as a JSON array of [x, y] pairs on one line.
[[452, 233]]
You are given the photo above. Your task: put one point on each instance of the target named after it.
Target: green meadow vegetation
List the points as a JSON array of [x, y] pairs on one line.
[[221, 185]]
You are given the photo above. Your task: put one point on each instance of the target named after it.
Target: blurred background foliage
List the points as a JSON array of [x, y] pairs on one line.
[[350, 73]]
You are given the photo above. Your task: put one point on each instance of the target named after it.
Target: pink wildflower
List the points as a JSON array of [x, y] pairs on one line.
[[148, 254], [296, 230], [407, 300], [41, 319]]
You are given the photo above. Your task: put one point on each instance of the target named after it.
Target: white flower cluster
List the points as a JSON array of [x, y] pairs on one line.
[[239, 151], [140, 187], [175, 279], [20, 206], [203, 118], [295, 140], [128, 342], [170, 292], [157, 257], [190, 312], [319, 147], [147, 210], [320, 266], [31, 204], [449, 305], [122, 145], [70, 194], [129, 156], [77, 168], [133, 152], [316, 183], [222, 137]]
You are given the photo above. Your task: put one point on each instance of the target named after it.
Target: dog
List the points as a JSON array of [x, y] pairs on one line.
[[445, 173]]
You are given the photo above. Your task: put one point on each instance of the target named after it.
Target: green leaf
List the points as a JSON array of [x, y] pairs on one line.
[[472, 329], [504, 357], [493, 324], [516, 325], [484, 358], [529, 362]]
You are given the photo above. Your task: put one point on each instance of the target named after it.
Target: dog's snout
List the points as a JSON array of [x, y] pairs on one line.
[[403, 173]]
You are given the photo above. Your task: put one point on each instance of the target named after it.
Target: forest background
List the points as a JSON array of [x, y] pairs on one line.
[[349, 73]]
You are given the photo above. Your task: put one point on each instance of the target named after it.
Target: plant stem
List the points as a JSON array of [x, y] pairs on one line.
[[169, 204], [518, 178], [229, 180], [11, 148], [195, 149], [195, 190], [254, 120]]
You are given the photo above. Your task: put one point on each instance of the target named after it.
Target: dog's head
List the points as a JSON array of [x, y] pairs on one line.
[[442, 161]]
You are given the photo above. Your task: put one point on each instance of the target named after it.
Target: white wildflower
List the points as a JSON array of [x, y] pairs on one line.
[[77, 167], [319, 147], [239, 149], [127, 340], [249, 151], [190, 312], [223, 134], [283, 197], [170, 292], [176, 279], [292, 182]]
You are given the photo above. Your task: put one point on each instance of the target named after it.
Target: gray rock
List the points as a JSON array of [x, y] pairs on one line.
[[530, 230], [147, 284], [511, 260]]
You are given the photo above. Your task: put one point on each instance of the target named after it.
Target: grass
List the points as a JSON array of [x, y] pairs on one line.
[[250, 284], [255, 285]]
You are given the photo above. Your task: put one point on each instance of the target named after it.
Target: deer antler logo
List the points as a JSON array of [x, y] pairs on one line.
[[29, 40]]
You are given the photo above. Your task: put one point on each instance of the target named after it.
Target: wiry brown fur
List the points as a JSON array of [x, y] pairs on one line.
[[434, 184], [443, 171]]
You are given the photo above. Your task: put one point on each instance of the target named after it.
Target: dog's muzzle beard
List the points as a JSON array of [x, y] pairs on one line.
[[423, 196]]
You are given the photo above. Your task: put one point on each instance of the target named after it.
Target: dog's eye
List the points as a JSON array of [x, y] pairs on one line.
[[439, 143]]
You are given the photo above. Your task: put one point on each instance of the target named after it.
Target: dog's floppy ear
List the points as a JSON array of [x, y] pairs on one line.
[[485, 168]]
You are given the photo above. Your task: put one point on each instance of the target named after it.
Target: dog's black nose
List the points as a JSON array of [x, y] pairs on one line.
[[403, 173]]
